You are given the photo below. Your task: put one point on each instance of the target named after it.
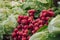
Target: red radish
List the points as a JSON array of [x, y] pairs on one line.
[[37, 20], [20, 17], [40, 22], [26, 31], [33, 22], [28, 37], [19, 37], [47, 18], [36, 24], [24, 34], [24, 21], [19, 21], [30, 19], [44, 14], [25, 17], [15, 30], [31, 14], [40, 26], [52, 14], [43, 18], [13, 34], [44, 11], [46, 23], [31, 26], [26, 27], [15, 38], [19, 27], [31, 11], [33, 31], [36, 28], [23, 38], [19, 33]]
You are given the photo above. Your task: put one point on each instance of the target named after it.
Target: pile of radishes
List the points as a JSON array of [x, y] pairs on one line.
[[27, 25]]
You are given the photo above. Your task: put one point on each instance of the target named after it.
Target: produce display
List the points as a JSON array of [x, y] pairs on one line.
[[52, 32], [27, 25], [29, 20]]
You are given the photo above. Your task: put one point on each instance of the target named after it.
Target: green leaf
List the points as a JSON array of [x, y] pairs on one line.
[[42, 28], [9, 24], [40, 36], [44, 35], [43, 1], [54, 25]]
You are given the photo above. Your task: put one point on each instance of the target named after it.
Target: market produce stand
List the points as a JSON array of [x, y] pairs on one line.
[[25, 19]]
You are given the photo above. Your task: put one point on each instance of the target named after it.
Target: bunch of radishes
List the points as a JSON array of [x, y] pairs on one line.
[[27, 25]]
